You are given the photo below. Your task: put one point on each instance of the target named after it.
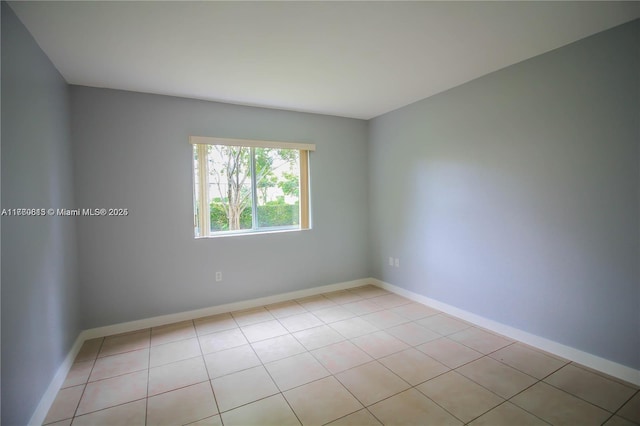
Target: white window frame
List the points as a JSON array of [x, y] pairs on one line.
[[203, 221]]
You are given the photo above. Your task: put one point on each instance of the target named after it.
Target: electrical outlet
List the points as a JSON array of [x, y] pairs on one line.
[[397, 262], [390, 261], [218, 276]]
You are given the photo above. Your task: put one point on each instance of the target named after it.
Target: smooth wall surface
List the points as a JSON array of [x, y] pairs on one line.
[[131, 151], [516, 196], [39, 275]]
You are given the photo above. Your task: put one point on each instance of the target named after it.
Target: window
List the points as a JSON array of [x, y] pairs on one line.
[[243, 186]]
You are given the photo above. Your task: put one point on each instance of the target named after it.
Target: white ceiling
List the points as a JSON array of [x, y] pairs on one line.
[[352, 59]]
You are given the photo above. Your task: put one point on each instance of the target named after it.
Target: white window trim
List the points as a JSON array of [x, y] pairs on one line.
[[206, 140], [304, 201]]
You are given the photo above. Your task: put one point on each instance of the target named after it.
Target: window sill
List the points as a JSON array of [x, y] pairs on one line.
[[227, 234]]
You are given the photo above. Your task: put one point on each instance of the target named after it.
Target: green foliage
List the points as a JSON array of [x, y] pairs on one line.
[[274, 213], [277, 213], [290, 186]]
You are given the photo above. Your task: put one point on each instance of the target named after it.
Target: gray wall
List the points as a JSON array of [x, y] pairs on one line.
[[515, 196], [39, 279], [131, 151]]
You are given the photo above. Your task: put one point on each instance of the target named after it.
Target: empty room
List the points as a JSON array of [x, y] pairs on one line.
[[320, 213]]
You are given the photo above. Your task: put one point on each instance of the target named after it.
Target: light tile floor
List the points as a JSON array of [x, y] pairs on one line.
[[362, 356]]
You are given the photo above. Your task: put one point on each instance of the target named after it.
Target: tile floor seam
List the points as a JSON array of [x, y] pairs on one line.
[[436, 402], [171, 362], [582, 399], [604, 375], [480, 384], [106, 408], [210, 380], [504, 402], [119, 375], [146, 400], [637, 392], [511, 366], [281, 392], [86, 383], [322, 302], [563, 391]]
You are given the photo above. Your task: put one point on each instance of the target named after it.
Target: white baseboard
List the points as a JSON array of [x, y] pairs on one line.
[[608, 367], [611, 368], [40, 413], [49, 396], [219, 309]]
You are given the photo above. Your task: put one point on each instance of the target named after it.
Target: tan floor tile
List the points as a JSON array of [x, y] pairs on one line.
[[380, 344], [221, 340], [414, 311], [480, 340], [175, 351], [389, 301], [353, 327], [182, 406], [285, 309], [230, 361], [631, 410], [413, 366], [321, 401], [234, 390], [296, 370], [558, 407], [318, 337], [368, 291], [359, 418], [177, 375], [131, 414], [362, 307], [272, 411], [115, 391], [172, 332], [591, 387], [528, 360], [78, 374], [497, 377], [333, 314], [277, 348], [300, 322], [209, 421], [384, 319], [411, 408], [342, 296], [443, 324], [252, 316], [450, 353], [65, 404], [314, 303], [340, 356], [412, 333], [116, 365], [372, 382], [460, 396], [508, 414], [264, 330], [125, 342], [89, 350], [619, 421], [214, 323]]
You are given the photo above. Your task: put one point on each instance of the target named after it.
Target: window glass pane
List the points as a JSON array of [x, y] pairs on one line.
[[277, 187], [230, 198]]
